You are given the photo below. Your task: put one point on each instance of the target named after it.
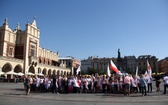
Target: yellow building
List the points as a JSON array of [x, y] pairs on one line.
[[20, 52]]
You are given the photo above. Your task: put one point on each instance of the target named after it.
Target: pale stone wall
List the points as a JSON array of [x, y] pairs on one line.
[[48, 54]]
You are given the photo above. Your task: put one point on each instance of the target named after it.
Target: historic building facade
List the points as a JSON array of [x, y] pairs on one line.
[[86, 64], [20, 52], [163, 65], [124, 64], [142, 63], [70, 62], [130, 63], [98, 64]]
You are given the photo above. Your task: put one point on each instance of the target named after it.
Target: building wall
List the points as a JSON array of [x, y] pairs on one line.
[[70, 62], [163, 65], [142, 63], [99, 64], [26, 55], [130, 63]]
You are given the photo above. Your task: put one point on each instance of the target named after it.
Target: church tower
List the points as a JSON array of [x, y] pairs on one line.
[[31, 46]]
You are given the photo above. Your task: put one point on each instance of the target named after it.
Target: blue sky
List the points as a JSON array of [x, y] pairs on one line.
[[82, 28]]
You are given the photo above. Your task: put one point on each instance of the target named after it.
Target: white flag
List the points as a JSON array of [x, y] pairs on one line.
[[146, 75], [136, 74], [78, 70], [108, 71], [149, 69]]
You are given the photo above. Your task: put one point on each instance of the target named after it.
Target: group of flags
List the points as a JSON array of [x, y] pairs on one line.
[[113, 67]]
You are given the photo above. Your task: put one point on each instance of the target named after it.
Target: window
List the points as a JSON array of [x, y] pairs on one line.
[[39, 70], [10, 51], [20, 40], [32, 50]]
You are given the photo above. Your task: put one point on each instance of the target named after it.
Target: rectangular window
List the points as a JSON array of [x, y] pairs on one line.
[[32, 50], [10, 51]]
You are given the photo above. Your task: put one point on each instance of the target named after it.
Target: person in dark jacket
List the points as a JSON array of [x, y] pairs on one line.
[[54, 83], [158, 81]]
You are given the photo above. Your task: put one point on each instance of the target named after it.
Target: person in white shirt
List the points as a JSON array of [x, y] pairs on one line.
[[70, 84], [134, 85], [165, 80], [138, 84], [149, 79], [75, 85], [37, 83], [89, 83]]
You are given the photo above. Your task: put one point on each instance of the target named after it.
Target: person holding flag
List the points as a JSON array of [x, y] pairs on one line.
[[149, 69], [149, 77], [137, 79]]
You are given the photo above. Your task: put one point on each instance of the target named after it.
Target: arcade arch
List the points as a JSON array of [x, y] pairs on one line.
[[44, 71], [54, 72], [39, 70], [49, 72], [58, 72], [7, 67], [31, 69], [18, 68]]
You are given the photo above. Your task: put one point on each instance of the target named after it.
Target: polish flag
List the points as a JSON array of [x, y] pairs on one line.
[[149, 69], [113, 67]]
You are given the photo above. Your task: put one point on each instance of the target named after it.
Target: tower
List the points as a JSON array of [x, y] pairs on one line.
[[31, 46], [7, 40]]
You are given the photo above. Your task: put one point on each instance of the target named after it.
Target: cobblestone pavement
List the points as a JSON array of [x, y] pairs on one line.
[[14, 94]]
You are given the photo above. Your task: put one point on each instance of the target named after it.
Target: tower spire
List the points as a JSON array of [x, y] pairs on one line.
[[18, 27], [6, 21], [34, 21]]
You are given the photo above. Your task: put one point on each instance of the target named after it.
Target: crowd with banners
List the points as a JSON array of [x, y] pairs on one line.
[[116, 83]]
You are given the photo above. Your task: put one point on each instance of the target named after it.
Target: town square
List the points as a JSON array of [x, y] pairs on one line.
[[93, 52]]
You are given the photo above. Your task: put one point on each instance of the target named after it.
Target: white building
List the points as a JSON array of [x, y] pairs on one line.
[[70, 62]]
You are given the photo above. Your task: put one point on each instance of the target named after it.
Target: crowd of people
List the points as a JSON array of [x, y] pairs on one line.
[[124, 84]]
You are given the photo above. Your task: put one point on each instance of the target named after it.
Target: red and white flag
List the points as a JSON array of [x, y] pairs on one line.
[[149, 69], [113, 67]]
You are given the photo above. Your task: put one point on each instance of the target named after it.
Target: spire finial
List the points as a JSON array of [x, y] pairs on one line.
[[18, 26], [34, 21], [6, 20], [34, 17]]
